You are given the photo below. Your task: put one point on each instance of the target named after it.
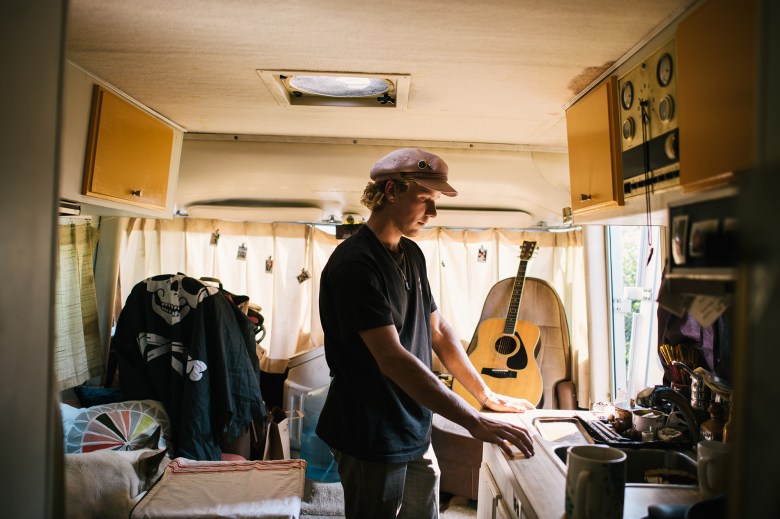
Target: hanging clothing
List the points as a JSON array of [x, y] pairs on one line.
[[711, 343], [183, 343]]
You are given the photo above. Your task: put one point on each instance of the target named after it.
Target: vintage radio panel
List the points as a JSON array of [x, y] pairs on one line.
[[648, 118]]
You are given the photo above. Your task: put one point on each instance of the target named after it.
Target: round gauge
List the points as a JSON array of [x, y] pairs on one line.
[[629, 128], [671, 148], [627, 95], [664, 70], [666, 109]]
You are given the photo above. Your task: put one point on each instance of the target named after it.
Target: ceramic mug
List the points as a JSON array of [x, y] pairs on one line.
[[595, 482], [713, 467], [644, 419]]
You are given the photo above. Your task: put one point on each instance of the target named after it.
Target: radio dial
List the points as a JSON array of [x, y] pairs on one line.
[[670, 146], [629, 127], [627, 95], [664, 71], [666, 109]]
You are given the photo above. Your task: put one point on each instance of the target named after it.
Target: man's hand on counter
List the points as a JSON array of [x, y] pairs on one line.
[[506, 404], [509, 437]]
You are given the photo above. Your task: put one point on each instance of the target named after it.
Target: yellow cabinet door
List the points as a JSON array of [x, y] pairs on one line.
[[595, 166], [716, 56], [128, 153]]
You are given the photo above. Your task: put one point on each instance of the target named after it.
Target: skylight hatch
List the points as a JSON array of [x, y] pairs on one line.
[[305, 88]]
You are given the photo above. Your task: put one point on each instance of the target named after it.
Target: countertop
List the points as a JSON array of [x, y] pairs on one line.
[[543, 479]]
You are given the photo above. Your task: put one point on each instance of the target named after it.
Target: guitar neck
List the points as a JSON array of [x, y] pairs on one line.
[[514, 301]]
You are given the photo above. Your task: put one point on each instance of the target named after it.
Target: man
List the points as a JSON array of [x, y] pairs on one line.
[[381, 324]]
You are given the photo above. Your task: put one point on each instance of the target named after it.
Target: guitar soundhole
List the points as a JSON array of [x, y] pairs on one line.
[[505, 345]]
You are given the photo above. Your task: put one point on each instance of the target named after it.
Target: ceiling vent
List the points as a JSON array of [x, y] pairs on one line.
[[340, 89]]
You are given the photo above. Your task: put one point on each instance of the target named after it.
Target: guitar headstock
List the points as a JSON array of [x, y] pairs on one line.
[[527, 250]]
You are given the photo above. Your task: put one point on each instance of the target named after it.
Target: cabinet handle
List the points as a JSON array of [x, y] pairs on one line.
[[585, 198], [137, 192]]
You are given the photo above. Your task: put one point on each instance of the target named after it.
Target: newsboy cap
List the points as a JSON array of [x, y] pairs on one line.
[[425, 168]]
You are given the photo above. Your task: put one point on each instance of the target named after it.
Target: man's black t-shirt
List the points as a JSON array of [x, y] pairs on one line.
[[362, 287]]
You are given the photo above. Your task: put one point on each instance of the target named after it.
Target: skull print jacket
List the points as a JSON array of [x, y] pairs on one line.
[[183, 343]]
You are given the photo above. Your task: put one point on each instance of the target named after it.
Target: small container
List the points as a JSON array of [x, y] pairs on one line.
[[649, 435], [712, 429], [320, 464], [645, 419]]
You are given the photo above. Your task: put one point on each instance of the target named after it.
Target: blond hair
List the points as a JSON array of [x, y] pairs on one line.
[[374, 193]]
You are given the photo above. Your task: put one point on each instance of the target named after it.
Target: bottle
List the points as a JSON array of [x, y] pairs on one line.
[[712, 429], [320, 464]]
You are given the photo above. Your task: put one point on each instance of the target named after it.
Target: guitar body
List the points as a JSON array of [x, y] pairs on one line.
[[507, 363], [503, 350]]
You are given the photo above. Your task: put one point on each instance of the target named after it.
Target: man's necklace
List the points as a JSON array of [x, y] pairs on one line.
[[397, 266]]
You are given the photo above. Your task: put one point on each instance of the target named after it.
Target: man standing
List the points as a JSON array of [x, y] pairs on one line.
[[381, 325]]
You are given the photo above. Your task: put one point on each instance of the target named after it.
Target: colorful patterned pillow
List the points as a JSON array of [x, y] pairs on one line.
[[120, 426]]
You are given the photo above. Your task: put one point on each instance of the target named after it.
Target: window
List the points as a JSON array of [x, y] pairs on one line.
[[634, 285]]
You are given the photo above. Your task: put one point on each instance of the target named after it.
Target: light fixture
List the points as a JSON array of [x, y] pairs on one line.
[[338, 86], [564, 228], [342, 89], [568, 223]]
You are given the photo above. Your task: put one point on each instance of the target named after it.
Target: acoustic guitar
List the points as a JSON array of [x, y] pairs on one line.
[[504, 354]]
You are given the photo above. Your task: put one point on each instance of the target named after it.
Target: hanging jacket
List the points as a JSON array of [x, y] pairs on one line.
[[183, 343]]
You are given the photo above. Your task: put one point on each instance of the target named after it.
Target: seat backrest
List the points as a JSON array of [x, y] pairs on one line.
[[539, 305]]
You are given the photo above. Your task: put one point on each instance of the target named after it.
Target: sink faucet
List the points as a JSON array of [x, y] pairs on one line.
[[653, 396]]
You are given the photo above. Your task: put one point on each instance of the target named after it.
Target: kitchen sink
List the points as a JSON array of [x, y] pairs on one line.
[[652, 466]]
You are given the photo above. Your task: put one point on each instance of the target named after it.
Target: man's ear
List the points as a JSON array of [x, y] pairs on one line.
[[391, 190]]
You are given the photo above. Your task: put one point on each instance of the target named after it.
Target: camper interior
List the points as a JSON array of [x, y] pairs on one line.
[[231, 142]]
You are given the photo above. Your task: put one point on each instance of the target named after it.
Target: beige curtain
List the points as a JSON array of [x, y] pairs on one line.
[[459, 279], [78, 355], [289, 306]]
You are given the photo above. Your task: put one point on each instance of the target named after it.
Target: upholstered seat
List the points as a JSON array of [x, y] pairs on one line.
[[458, 453]]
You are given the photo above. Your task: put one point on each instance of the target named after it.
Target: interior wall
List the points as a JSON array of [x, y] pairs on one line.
[[757, 353], [32, 39], [332, 176]]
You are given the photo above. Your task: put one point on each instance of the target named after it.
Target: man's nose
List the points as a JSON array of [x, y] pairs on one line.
[[430, 210]]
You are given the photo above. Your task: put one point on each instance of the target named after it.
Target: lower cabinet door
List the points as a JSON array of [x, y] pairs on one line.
[[491, 504], [502, 510], [488, 495]]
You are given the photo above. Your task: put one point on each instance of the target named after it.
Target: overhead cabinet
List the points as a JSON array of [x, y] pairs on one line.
[[117, 157], [594, 149], [716, 52], [128, 153]]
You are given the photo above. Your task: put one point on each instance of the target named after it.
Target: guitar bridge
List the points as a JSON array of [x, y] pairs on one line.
[[499, 373]]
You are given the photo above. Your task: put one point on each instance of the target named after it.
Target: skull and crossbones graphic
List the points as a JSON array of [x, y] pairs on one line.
[[174, 296]]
